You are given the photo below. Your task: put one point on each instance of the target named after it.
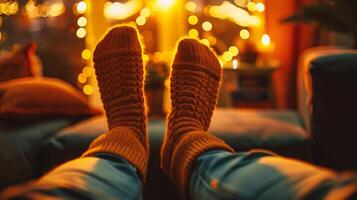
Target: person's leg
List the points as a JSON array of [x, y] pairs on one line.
[[115, 164], [261, 175], [103, 176], [195, 77], [204, 167]]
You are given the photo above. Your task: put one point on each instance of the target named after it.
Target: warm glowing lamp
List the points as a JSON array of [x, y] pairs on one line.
[[265, 40], [164, 5], [235, 64]]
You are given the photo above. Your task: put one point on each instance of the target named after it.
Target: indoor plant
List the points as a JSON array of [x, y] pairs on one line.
[[336, 15]]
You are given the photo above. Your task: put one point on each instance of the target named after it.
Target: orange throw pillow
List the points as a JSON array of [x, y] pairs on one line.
[[42, 97], [23, 63]]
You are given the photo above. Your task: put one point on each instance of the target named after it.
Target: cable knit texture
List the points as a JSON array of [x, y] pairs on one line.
[[119, 68], [195, 79]]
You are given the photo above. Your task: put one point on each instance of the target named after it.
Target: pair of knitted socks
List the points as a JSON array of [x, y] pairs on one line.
[[195, 79]]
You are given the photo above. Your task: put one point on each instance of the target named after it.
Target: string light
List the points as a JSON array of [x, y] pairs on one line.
[[82, 21], [212, 40], [191, 6], [260, 7], [251, 6], [193, 33], [227, 56], [86, 54], [193, 19], [145, 12], [234, 50], [205, 41], [141, 20], [81, 33], [244, 34], [82, 78], [207, 26], [88, 90], [81, 7]]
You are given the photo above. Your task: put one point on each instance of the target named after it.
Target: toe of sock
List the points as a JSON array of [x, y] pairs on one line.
[[119, 38], [194, 52]]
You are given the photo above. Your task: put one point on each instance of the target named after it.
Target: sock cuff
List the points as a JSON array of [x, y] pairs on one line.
[[192, 52], [185, 152], [122, 141], [122, 39]]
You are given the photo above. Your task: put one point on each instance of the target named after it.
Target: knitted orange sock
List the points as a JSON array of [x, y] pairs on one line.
[[195, 79], [119, 68]]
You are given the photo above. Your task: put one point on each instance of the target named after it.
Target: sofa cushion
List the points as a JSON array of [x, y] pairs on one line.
[[334, 82], [20, 148], [244, 130], [29, 98]]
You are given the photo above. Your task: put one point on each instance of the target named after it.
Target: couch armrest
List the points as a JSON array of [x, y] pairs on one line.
[[334, 110]]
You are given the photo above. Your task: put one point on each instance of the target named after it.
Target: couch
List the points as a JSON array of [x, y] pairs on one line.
[[313, 133]]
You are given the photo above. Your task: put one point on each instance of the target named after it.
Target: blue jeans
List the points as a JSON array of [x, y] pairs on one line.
[[218, 175]]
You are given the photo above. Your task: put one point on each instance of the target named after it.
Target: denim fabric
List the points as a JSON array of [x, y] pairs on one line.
[[220, 175], [102, 177]]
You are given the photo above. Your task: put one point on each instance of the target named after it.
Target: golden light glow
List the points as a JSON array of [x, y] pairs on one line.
[[54, 10], [141, 20], [212, 40], [81, 7], [207, 26], [260, 7], [251, 6], [164, 5], [235, 64], [244, 34], [82, 78], [0, 36], [230, 11], [82, 21], [193, 33], [205, 41], [88, 90], [87, 71], [120, 11], [234, 50], [254, 21], [145, 12], [191, 6], [265, 40], [9, 7], [193, 19], [81, 33], [227, 56], [241, 3], [86, 54]]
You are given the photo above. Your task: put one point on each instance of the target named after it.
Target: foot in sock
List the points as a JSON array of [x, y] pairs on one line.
[[195, 79], [120, 73]]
